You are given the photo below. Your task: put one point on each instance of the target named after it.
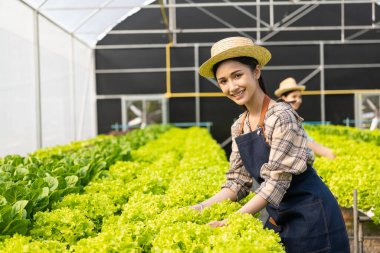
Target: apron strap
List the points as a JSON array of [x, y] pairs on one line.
[[264, 109], [242, 123]]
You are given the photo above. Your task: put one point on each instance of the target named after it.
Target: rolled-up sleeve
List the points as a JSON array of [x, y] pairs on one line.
[[288, 155], [238, 178]]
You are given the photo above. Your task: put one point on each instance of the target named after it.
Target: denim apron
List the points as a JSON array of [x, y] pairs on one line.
[[308, 218]]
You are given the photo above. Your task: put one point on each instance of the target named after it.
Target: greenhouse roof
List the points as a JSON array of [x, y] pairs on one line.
[[87, 20]]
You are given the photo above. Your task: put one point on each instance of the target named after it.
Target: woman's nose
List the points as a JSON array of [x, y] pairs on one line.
[[232, 85]]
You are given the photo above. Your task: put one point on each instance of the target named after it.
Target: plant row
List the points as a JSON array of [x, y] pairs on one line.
[[141, 205], [356, 166], [35, 182], [351, 133]]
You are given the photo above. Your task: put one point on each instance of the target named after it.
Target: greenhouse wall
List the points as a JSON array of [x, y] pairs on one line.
[[47, 82]]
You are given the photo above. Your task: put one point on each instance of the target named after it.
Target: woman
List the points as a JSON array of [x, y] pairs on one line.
[[290, 92], [270, 146]]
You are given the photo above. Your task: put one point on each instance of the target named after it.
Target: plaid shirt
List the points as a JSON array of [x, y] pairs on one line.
[[289, 155]]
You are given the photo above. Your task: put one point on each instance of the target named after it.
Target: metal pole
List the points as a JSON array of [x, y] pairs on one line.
[[124, 115], [94, 100], [283, 67], [322, 81], [355, 210], [72, 89], [373, 13], [267, 43], [173, 20], [231, 29], [358, 105], [271, 18], [197, 90], [37, 61], [360, 237], [213, 4], [165, 112], [258, 33], [144, 113], [342, 21], [310, 76]]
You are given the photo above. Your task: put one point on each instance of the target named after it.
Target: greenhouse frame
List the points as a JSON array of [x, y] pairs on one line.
[[83, 58], [109, 131]]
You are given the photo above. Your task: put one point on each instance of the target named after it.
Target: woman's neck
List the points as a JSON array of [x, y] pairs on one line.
[[254, 105]]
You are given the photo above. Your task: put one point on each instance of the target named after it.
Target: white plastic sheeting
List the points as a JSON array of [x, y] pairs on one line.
[[56, 87], [88, 20], [17, 80], [59, 66]]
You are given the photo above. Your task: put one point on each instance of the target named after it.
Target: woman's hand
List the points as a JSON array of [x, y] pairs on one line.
[[199, 207], [217, 223], [330, 154]]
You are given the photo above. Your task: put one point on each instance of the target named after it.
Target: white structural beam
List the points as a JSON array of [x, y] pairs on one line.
[[267, 43], [197, 89], [286, 25], [322, 81], [173, 22], [55, 23], [37, 76], [316, 68], [218, 4], [285, 28], [248, 14], [220, 20]]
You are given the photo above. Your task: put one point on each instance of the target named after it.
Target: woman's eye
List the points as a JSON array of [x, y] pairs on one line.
[[237, 75], [222, 81]]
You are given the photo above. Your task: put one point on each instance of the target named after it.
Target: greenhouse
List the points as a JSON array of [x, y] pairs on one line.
[[177, 126]]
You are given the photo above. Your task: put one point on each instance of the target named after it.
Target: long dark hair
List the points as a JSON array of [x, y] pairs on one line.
[[248, 61]]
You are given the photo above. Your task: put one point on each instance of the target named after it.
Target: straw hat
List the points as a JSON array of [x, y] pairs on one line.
[[289, 84], [234, 47]]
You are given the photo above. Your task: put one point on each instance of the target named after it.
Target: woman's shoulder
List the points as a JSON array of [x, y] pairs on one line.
[[282, 111]]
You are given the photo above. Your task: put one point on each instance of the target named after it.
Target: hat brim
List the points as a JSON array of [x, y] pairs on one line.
[[261, 54], [279, 92]]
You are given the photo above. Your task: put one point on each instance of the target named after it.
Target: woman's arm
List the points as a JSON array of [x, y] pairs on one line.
[[320, 150], [223, 194], [253, 206], [238, 183]]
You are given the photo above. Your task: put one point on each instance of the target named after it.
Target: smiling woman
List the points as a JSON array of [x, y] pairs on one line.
[[269, 145], [241, 74]]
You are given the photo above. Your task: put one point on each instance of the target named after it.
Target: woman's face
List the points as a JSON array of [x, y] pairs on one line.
[[237, 81], [295, 99]]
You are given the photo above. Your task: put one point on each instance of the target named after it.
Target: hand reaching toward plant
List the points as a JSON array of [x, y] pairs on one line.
[[217, 223]]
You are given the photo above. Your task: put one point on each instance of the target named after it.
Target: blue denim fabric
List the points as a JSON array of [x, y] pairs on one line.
[[308, 218]]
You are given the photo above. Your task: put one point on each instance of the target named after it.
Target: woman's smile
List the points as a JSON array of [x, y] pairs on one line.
[[238, 95], [237, 81]]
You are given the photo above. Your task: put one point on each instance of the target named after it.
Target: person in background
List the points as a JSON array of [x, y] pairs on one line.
[[376, 113], [290, 92], [269, 145]]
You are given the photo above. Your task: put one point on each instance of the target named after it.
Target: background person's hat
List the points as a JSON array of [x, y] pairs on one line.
[[289, 84], [234, 47]]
